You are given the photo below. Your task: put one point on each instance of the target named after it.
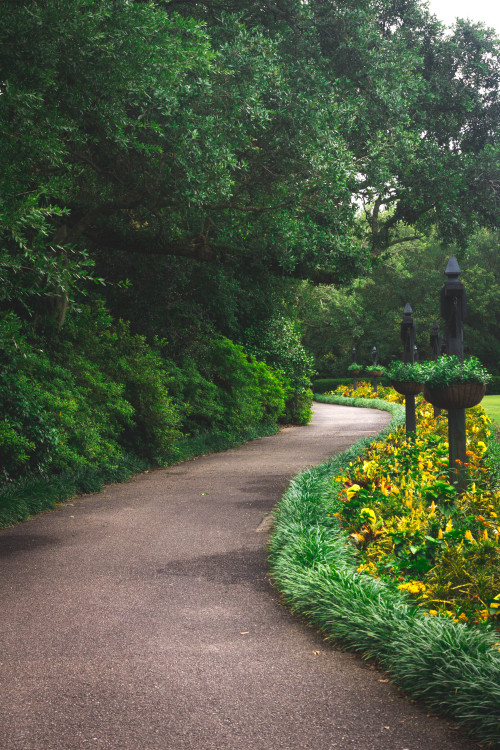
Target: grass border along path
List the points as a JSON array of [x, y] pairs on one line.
[[453, 668]]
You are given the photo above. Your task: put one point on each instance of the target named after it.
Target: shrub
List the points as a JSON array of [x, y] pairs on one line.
[[249, 391], [128, 361], [95, 397], [322, 385], [279, 345]]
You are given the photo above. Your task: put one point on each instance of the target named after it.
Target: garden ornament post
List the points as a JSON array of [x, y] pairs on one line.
[[374, 363], [435, 341], [408, 333], [437, 348], [454, 310]]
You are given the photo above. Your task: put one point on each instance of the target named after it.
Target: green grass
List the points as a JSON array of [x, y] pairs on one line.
[[491, 405], [451, 667]]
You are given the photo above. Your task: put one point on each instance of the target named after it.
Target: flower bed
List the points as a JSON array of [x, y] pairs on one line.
[[447, 660], [410, 527]]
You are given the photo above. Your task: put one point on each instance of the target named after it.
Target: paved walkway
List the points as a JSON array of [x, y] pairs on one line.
[[142, 618]]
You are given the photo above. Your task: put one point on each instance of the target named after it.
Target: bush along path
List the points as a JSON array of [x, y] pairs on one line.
[[329, 568], [98, 403]]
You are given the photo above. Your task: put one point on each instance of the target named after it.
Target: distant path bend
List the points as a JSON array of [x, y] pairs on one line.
[[142, 618]]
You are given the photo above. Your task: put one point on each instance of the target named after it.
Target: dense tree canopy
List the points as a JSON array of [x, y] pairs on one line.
[[217, 131]]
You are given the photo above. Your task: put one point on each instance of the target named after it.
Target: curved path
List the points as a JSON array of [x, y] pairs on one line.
[[142, 619]]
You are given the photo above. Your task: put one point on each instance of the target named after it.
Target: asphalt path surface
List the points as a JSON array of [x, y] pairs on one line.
[[142, 618]]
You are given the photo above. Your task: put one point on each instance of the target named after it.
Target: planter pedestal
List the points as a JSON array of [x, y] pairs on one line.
[[456, 398], [409, 390]]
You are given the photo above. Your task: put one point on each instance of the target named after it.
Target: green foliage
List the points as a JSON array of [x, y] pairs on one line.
[[375, 370], [279, 345], [448, 369], [371, 310], [97, 397], [241, 136], [29, 435], [406, 372], [493, 386], [248, 391]]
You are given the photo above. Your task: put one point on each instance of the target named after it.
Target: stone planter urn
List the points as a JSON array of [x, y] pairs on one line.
[[455, 395]]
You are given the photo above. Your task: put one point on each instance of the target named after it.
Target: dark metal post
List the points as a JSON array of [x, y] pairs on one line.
[[374, 362], [408, 332], [436, 346], [454, 310], [355, 377]]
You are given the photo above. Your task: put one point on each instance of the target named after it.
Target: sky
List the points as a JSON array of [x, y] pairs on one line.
[[487, 11]]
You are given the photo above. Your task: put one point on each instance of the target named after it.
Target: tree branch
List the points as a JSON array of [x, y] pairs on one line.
[[406, 239]]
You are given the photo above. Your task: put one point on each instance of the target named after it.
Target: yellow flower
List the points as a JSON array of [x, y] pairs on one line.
[[469, 536], [368, 514], [449, 526], [413, 587], [352, 490], [440, 534]]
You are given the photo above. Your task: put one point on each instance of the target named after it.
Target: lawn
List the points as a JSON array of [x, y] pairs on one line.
[[491, 405]]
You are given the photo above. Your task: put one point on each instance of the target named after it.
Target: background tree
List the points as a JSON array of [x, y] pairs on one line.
[[369, 312]]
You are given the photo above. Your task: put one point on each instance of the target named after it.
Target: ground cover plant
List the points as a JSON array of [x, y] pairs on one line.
[[355, 557]]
